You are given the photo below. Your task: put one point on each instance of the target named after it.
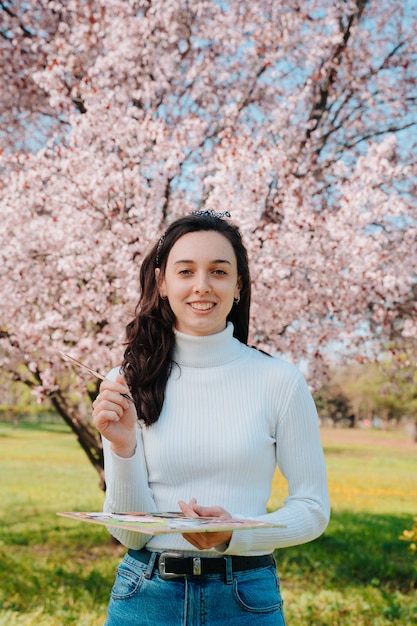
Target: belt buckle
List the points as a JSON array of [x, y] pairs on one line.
[[162, 565]]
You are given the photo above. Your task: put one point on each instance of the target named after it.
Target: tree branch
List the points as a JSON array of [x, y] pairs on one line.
[[323, 90]]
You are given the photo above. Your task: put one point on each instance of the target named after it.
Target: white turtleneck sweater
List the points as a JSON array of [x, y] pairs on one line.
[[231, 415]]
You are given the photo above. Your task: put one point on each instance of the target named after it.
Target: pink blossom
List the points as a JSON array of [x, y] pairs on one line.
[[122, 116]]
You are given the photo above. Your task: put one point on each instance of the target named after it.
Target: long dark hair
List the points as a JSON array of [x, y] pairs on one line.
[[150, 335]]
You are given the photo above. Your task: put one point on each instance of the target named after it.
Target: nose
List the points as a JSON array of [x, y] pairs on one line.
[[201, 284]]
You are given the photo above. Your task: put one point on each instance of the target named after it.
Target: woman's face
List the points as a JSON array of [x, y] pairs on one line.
[[200, 282]]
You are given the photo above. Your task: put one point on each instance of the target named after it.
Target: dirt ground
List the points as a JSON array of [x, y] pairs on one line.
[[368, 437]]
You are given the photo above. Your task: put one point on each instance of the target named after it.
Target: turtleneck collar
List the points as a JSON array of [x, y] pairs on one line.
[[207, 350]]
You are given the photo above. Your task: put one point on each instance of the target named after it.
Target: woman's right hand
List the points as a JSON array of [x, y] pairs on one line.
[[115, 416]]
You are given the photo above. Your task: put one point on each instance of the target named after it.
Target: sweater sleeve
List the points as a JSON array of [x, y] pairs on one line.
[[127, 490], [300, 458], [127, 487]]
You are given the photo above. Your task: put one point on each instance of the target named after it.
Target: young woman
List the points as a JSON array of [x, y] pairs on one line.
[[211, 420]]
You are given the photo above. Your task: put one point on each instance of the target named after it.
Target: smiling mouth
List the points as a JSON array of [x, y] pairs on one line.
[[202, 306]]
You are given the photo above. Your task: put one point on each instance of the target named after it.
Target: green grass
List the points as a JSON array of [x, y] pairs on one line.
[[54, 571]]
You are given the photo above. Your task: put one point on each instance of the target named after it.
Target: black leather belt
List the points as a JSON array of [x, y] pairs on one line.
[[175, 564]]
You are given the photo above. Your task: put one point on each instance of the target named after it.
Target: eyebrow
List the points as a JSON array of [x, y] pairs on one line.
[[212, 262]]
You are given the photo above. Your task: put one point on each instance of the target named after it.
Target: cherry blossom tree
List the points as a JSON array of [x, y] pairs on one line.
[[118, 116]]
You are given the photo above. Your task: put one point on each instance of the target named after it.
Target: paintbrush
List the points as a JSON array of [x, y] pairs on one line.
[[93, 372]]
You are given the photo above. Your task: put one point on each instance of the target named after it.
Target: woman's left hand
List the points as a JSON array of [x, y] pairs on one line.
[[205, 541]]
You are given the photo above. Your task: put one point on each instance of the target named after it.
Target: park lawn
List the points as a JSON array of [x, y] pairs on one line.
[[54, 571]]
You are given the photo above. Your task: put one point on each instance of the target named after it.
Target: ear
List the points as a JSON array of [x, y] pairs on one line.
[[238, 287], [160, 283]]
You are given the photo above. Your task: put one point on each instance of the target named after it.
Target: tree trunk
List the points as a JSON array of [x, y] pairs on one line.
[[87, 436]]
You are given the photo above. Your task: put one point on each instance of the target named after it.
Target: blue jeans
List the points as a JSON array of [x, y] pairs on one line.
[[247, 598]]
